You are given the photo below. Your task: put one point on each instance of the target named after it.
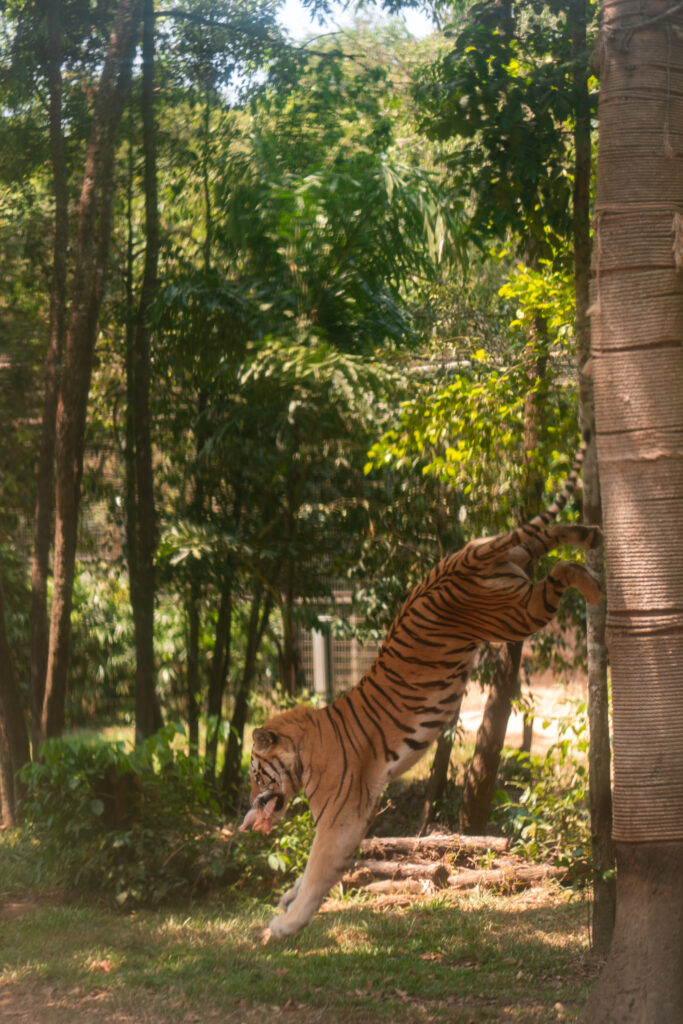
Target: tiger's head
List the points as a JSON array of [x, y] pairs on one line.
[[275, 771]]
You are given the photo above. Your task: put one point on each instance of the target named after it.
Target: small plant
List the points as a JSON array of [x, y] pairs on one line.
[[293, 842]]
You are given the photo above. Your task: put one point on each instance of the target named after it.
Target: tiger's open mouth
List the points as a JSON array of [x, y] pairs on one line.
[[259, 817]]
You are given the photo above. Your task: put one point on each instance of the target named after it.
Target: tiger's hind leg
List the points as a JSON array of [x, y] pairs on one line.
[[543, 598], [525, 543], [562, 535], [569, 574]]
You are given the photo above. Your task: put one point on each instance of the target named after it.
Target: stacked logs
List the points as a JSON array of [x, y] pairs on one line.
[[443, 860]]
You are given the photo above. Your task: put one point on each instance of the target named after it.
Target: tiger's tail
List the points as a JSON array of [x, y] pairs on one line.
[[568, 487]]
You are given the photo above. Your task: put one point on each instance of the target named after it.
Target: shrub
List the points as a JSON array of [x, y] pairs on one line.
[[138, 825], [544, 807]]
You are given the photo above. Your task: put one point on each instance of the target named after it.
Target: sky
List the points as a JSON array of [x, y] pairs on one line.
[[297, 21]]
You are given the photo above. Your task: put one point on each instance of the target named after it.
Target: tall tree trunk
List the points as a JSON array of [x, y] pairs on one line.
[[438, 775], [480, 781], [194, 595], [147, 711], [218, 676], [290, 657], [92, 250], [604, 892], [8, 817], [46, 469], [637, 328], [192, 607], [14, 741], [230, 777]]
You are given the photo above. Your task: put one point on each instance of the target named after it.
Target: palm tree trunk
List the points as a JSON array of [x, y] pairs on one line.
[[638, 378], [600, 782]]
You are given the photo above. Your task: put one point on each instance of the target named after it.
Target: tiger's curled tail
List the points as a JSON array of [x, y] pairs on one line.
[[344, 755]]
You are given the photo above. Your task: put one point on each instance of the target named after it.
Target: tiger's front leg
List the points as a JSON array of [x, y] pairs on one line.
[[290, 895], [332, 851]]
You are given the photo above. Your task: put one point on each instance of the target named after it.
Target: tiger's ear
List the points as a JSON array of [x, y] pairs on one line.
[[263, 739]]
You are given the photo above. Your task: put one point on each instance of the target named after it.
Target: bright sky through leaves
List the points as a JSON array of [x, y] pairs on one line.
[[298, 22]]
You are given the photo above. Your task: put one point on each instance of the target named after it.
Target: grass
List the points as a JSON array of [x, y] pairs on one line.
[[460, 958], [476, 957]]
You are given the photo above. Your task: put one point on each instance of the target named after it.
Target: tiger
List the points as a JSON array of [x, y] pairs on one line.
[[344, 755]]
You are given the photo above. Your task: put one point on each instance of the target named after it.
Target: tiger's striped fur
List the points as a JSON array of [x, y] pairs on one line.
[[344, 755]]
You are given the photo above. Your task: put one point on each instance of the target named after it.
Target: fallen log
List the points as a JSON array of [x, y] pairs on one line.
[[367, 871], [512, 877], [398, 885], [517, 876], [436, 845]]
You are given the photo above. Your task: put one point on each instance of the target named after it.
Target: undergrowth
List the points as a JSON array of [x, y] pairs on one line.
[[542, 803], [140, 826]]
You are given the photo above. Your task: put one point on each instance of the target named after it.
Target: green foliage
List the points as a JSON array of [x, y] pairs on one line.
[[293, 840], [102, 658], [503, 96], [132, 826], [544, 805], [307, 236], [542, 292], [470, 433]]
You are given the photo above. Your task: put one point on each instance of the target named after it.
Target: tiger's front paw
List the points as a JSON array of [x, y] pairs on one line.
[[279, 928], [284, 925]]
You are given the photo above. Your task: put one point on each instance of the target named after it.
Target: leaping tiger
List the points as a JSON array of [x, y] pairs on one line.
[[345, 754]]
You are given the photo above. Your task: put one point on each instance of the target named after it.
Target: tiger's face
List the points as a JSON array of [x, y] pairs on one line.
[[275, 778]]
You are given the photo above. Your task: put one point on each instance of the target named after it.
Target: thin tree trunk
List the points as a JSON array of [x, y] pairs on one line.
[[15, 749], [7, 804], [230, 777], [42, 536], [637, 328], [480, 781], [193, 620], [290, 660], [193, 603], [218, 678], [131, 503], [438, 776], [604, 893], [92, 250], [147, 711]]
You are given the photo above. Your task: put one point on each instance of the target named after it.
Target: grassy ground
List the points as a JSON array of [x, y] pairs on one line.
[[458, 958], [465, 958]]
